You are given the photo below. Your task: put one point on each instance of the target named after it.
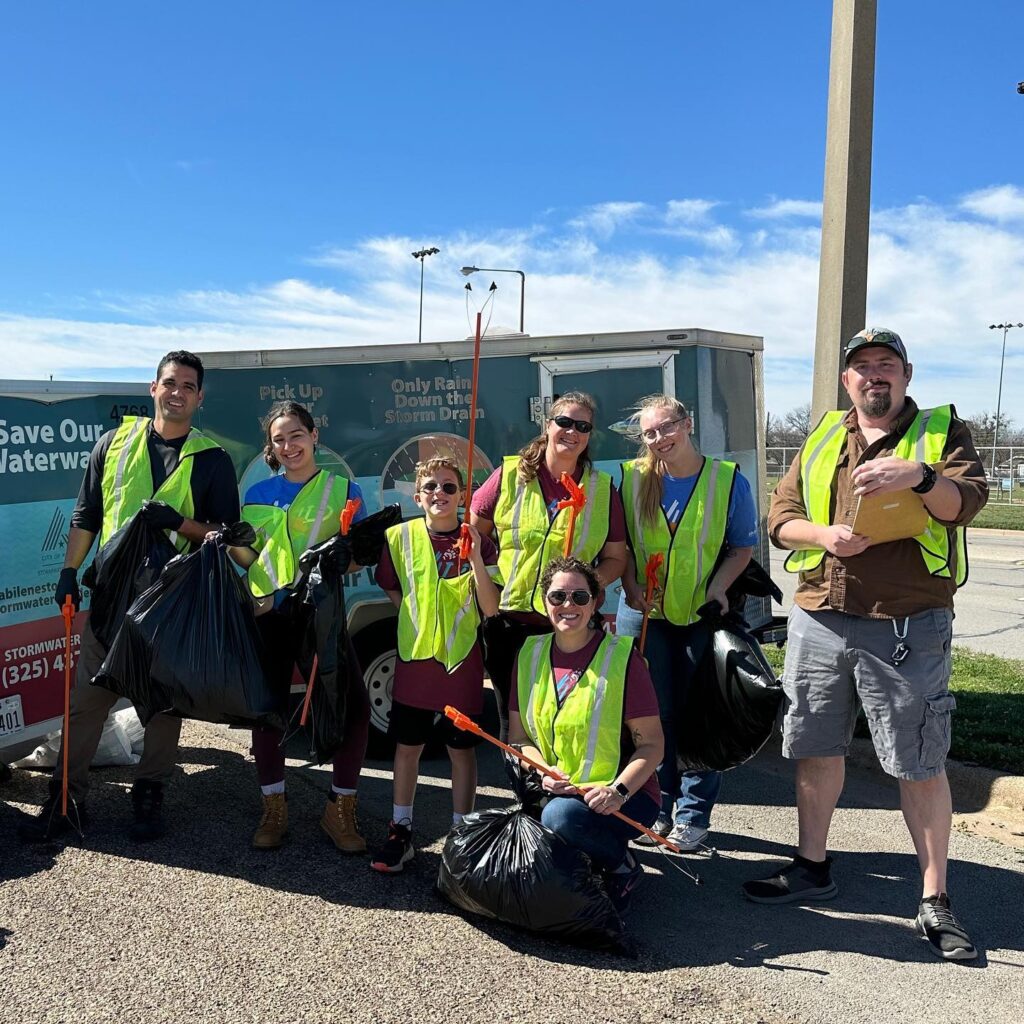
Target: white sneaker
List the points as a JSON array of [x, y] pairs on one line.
[[686, 836]]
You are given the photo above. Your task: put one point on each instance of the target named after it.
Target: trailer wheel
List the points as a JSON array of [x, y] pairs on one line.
[[377, 649]]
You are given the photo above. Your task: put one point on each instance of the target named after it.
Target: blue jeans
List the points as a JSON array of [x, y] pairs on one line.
[[672, 653], [602, 837]]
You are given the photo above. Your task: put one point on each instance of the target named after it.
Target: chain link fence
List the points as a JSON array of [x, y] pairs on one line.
[[1006, 483]]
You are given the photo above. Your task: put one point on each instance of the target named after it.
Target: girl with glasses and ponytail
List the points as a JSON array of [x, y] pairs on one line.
[[518, 507], [700, 516], [583, 704]]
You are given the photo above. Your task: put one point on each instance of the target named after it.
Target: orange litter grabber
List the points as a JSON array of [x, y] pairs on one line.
[[345, 524], [67, 610], [465, 542], [466, 724], [654, 563], [574, 503]]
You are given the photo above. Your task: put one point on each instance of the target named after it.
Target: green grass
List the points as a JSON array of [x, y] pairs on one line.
[[1000, 517], [988, 724]]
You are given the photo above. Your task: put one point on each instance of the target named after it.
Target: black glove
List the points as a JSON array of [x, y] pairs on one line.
[[67, 583], [161, 516]]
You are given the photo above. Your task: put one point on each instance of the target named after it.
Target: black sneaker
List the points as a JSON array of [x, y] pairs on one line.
[[944, 934], [797, 882], [662, 826], [621, 885], [50, 824], [397, 851], [147, 803]]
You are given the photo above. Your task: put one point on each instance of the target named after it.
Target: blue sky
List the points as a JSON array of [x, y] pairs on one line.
[[251, 175]]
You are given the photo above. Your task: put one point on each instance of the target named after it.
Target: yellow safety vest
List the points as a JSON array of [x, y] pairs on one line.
[[943, 549], [691, 552], [438, 618], [283, 535], [128, 477], [583, 736], [529, 539]]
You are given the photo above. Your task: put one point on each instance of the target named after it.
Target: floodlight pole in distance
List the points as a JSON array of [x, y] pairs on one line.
[[522, 286], [999, 397], [421, 255]]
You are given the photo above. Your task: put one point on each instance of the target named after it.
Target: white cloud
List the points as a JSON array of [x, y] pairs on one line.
[[999, 203], [605, 218], [780, 209], [688, 211], [938, 275]]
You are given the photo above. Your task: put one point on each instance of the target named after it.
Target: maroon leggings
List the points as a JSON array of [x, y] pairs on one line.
[[279, 635]]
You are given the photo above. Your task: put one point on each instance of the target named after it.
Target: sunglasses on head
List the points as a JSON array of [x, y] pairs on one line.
[[578, 597], [432, 485], [565, 422]]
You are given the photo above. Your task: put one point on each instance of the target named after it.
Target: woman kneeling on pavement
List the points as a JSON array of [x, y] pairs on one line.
[[292, 511], [584, 706]]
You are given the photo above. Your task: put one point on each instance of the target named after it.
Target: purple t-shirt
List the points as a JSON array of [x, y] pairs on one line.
[[428, 684], [639, 699]]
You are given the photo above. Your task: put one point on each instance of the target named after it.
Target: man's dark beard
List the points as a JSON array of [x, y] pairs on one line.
[[878, 405]]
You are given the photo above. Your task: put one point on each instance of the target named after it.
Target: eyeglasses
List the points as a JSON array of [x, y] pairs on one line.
[[578, 597], [666, 429], [432, 485], [565, 422]]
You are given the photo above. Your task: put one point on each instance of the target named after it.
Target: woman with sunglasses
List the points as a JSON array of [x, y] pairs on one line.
[[584, 706], [700, 516], [518, 505], [297, 508]]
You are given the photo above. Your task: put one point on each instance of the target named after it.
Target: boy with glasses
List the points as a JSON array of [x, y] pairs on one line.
[[441, 598]]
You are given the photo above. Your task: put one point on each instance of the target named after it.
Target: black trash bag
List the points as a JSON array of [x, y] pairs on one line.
[[189, 645], [733, 700], [129, 563], [507, 866], [323, 568], [754, 581]]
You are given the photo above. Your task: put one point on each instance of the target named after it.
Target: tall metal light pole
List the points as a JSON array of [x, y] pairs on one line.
[[522, 286], [422, 255], [999, 397]]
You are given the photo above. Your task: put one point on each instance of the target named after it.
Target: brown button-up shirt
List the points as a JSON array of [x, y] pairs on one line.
[[887, 580]]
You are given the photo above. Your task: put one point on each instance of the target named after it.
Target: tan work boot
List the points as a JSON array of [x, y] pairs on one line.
[[339, 822], [273, 824]]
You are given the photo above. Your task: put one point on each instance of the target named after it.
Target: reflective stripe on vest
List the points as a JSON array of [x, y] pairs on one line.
[[282, 535], [923, 441], [438, 618], [582, 737], [128, 477], [528, 538], [692, 550]]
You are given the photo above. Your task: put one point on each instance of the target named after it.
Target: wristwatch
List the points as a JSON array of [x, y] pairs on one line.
[[622, 789], [927, 481]]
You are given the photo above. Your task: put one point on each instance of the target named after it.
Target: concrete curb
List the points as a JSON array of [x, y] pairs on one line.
[[982, 531]]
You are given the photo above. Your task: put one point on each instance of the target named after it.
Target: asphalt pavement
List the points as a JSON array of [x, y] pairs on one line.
[[199, 926], [989, 607]]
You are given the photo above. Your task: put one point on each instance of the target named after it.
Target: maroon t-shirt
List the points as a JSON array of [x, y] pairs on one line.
[[639, 699], [427, 684], [485, 501]]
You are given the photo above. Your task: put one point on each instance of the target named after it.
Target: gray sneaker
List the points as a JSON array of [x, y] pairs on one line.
[[944, 933], [662, 826]]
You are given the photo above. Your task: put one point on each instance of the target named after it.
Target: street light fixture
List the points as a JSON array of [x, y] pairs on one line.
[[999, 399], [502, 270], [422, 255]]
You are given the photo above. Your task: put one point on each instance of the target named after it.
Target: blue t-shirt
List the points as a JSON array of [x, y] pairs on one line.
[[281, 492], [741, 524]]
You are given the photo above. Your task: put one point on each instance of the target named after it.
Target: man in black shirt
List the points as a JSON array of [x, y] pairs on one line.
[[193, 482]]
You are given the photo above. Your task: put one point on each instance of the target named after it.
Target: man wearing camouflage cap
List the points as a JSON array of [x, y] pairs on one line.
[[873, 622]]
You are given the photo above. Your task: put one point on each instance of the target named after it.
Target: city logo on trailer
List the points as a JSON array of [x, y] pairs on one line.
[[55, 541]]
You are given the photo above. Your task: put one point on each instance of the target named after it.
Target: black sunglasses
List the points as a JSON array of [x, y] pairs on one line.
[[565, 422], [432, 485], [560, 597]]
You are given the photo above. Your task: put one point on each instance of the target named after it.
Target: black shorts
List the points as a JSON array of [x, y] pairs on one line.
[[412, 727]]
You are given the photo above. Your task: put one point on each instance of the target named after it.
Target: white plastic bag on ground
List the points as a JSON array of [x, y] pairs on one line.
[[120, 744]]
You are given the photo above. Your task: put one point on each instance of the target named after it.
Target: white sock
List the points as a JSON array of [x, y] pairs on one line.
[[400, 813], [457, 818], [275, 787], [342, 792]]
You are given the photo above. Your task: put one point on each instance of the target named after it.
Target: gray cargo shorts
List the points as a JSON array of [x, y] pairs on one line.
[[833, 660]]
